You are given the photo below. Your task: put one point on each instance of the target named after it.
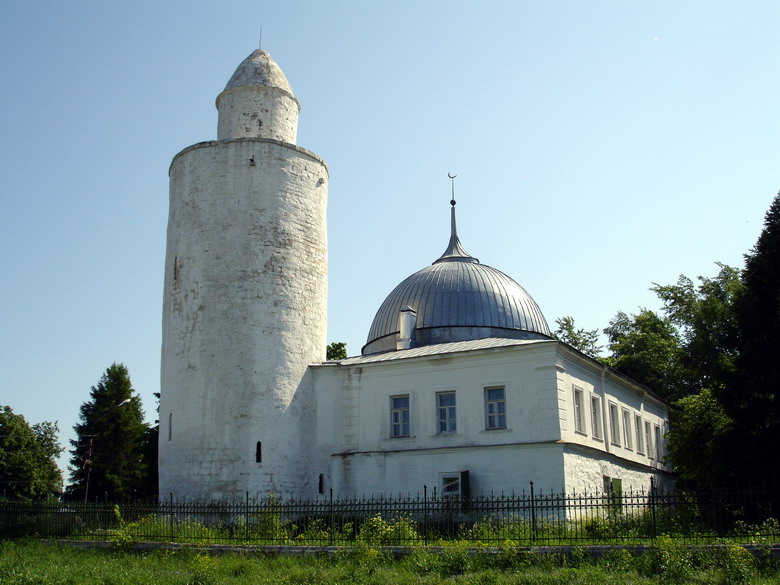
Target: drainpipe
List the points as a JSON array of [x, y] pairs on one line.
[[604, 410]]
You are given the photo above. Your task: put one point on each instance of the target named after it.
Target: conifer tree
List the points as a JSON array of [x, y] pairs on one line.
[[753, 398], [107, 459]]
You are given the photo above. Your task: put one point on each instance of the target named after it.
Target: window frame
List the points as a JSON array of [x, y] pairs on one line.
[[614, 424], [446, 414], [596, 426], [400, 417], [639, 430], [649, 440], [627, 438], [500, 404], [579, 411], [449, 479]]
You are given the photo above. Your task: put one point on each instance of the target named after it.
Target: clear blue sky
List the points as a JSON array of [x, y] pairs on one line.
[[600, 146]]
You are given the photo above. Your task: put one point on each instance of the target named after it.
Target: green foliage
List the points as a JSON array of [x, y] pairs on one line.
[[706, 319], [586, 341], [648, 349], [673, 560], [753, 401], [27, 563], [376, 531], [737, 565], [28, 469], [698, 420], [107, 459], [336, 351]]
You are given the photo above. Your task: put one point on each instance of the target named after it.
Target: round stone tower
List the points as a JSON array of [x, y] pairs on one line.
[[244, 306]]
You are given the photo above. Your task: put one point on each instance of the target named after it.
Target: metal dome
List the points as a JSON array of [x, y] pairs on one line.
[[457, 299]]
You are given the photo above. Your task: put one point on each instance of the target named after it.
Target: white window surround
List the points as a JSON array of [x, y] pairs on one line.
[[495, 407], [595, 417], [614, 424], [649, 440], [400, 423], [627, 429], [579, 410], [657, 431], [640, 445], [446, 413]]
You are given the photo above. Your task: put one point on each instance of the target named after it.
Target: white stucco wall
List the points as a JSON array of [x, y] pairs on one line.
[[539, 443], [252, 112], [245, 312]]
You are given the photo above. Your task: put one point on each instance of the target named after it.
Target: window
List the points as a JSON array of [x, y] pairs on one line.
[[657, 430], [445, 403], [495, 408], [640, 445], [614, 424], [579, 413], [450, 487], [613, 489], [455, 486], [170, 426], [321, 484], [259, 452], [627, 428], [648, 440], [595, 416], [399, 416]]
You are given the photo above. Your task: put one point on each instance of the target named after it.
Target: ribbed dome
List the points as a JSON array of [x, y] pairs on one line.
[[457, 299]]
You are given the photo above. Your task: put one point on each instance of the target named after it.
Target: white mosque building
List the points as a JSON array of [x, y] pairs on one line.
[[460, 386]]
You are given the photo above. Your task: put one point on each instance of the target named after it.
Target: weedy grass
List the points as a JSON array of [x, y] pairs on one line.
[[33, 562]]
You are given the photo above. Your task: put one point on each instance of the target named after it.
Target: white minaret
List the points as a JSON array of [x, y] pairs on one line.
[[244, 306]]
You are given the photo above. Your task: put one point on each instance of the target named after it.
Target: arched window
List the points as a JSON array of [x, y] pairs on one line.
[[322, 484], [259, 452]]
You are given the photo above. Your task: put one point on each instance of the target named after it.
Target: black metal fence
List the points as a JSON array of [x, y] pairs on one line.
[[526, 519]]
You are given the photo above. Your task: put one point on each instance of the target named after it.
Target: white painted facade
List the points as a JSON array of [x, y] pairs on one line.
[[539, 442], [245, 301], [248, 407]]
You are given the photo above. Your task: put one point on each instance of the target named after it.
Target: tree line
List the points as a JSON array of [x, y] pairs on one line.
[[113, 457], [711, 352]]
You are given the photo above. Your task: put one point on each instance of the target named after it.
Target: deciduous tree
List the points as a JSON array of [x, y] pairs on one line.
[[336, 351], [584, 340], [28, 467], [647, 348]]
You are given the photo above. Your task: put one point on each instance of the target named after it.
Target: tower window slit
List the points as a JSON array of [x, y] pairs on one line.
[[259, 452]]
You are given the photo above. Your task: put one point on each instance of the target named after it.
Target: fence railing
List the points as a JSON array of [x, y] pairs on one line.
[[525, 519]]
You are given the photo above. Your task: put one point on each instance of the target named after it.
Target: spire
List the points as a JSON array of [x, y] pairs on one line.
[[455, 251]]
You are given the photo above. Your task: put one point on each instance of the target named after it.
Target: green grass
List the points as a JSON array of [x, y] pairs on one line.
[[32, 562]]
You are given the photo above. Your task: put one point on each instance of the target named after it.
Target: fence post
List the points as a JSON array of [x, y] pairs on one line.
[[425, 513], [246, 519], [170, 515], [330, 516], [533, 515], [652, 506]]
